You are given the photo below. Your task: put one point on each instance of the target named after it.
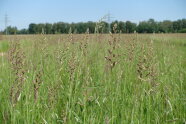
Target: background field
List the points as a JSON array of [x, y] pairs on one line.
[[93, 78]]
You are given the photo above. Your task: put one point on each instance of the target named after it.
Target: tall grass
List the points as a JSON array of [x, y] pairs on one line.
[[98, 78]]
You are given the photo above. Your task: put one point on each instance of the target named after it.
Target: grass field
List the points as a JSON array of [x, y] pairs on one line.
[[93, 79]]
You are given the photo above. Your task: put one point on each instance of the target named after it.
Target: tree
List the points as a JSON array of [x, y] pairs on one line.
[[166, 26], [11, 30], [81, 27], [23, 31], [48, 28], [183, 23], [40, 28], [152, 26], [143, 27], [122, 26], [148, 26], [130, 27], [112, 26], [91, 26], [32, 28]]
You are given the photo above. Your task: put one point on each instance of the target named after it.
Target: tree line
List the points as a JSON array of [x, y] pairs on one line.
[[149, 26]]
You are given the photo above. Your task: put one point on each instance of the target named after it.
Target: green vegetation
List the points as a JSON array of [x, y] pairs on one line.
[[149, 26], [182, 30], [3, 46], [93, 78]]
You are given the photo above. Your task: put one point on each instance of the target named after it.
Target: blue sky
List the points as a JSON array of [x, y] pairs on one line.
[[23, 12]]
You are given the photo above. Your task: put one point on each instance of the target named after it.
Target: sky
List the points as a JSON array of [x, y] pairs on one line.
[[23, 12]]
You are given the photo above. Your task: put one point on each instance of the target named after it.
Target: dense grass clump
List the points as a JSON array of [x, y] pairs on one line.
[[100, 78]]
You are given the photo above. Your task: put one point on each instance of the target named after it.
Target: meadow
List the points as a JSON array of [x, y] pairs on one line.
[[93, 79]]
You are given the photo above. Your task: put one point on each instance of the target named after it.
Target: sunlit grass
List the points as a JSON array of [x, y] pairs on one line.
[[71, 81]]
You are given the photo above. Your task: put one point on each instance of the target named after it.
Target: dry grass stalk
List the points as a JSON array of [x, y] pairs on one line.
[[70, 36], [42, 47], [100, 25], [52, 94], [143, 65], [112, 56], [72, 66], [37, 82], [107, 120], [153, 68], [2, 54], [99, 28], [61, 54], [146, 68], [131, 47], [84, 43], [64, 115], [16, 58]]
